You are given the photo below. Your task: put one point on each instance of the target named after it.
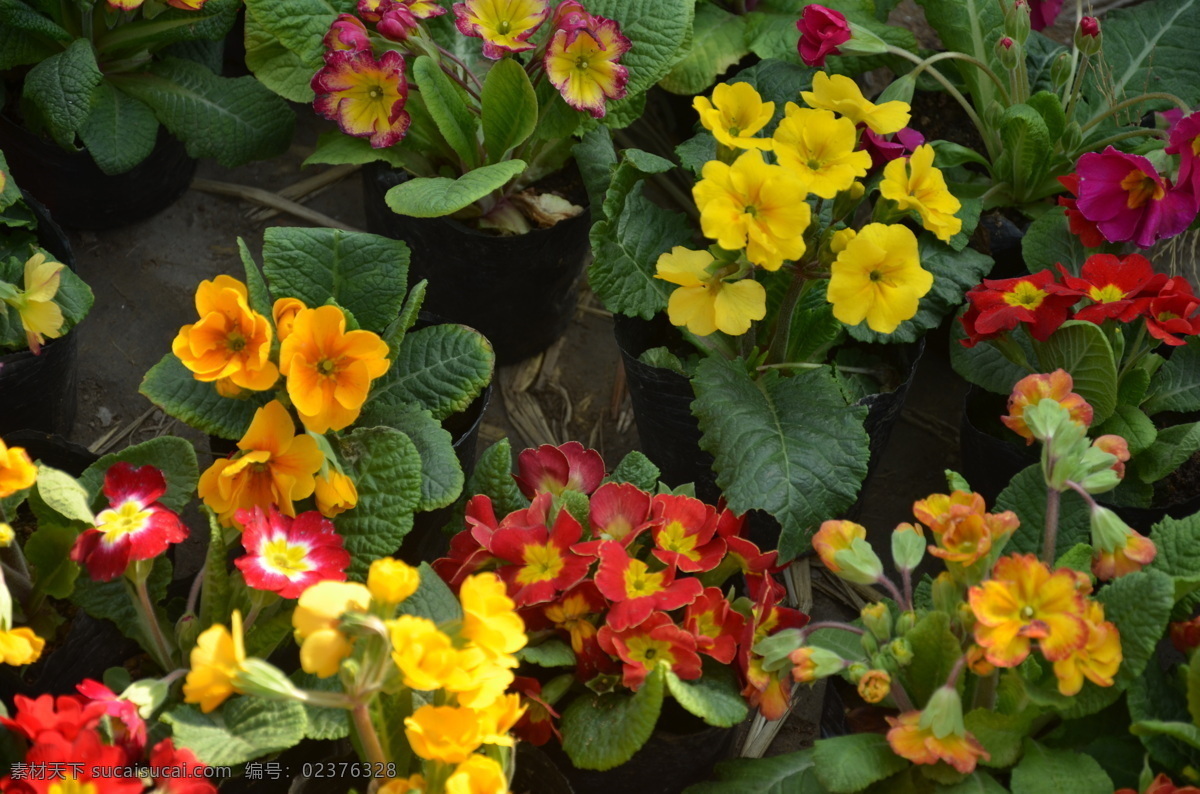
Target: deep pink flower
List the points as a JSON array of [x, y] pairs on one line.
[[347, 33], [1089, 26], [1113, 284], [397, 23], [1127, 199], [885, 148], [1173, 313], [1081, 227], [822, 31], [126, 725], [1042, 13], [134, 527], [1185, 142], [555, 469], [286, 555]]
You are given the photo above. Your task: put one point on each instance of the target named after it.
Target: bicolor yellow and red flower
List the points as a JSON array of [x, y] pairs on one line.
[[541, 563], [366, 97], [936, 733], [1032, 389], [1113, 284], [617, 511], [684, 532], [1099, 658], [1126, 198], [744, 556], [536, 725], [716, 626], [504, 25], [735, 114], [843, 549], [999, 305], [965, 532], [231, 343], [635, 590], [1023, 601], [17, 471], [275, 467], [288, 555], [329, 369], [577, 612], [753, 205], [582, 62], [1162, 785], [346, 33], [551, 469], [1117, 549], [135, 526], [644, 646]]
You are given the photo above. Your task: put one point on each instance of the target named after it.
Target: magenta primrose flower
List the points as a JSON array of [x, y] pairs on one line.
[[1185, 142], [134, 527], [1127, 199]]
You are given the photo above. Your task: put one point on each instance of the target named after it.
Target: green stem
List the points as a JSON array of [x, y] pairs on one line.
[[161, 651], [367, 736], [1050, 539], [924, 64], [1140, 132], [1137, 100], [810, 365], [957, 95]]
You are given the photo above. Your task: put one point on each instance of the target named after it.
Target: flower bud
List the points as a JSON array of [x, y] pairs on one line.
[[943, 714], [870, 644], [147, 694], [908, 546], [901, 651], [187, 629], [1060, 71], [1088, 37], [856, 671], [811, 663], [6, 535], [843, 548], [878, 620], [391, 581], [1017, 20], [874, 686], [1185, 635], [1009, 51], [946, 595], [906, 622], [1118, 548]]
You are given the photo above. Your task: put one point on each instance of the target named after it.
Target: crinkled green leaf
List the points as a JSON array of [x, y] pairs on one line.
[[1140, 605], [173, 388], [174, 457], [120, 132], [445, 103], [1026, 496], [1178, 551], [432, 600], [790, 773], [441, 473], [1170, 449], [637, 469], [851, 763], [603, 731], [216, 590], [297, 26], [1176, 385], [493, 477], [1048, 241], [280, 69], [1083, 350], [63, 89], [1131, 424], [935, 650], [441, 367], [62, 493], [243, 729], [1000, 734], [718, 42], [1061, 771], [1155, 697], [1183, 731], [115, 601], [657, 31], [322, 723], [715, 697], [551, 653]]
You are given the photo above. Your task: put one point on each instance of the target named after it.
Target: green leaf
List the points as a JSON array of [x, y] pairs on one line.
[[718, 42], [386, 469], [984, 365], [790, 773], [449, 110], [120, 132], [696, 151], [63, 88], [637, 469], [1176, 385], [510, 108], [597, 159], [441, 474], [1000, 734], [243, 729], [18, 16], [1060, 771], [297, 27], [1078, 558], [174, 457], [603, 731], [976, 783], [787, 445], [1140, 606], [1178, 551], [115, 601], [935, 650], [64, 495], [173, 388], [432, 600], [169, 26], [216, 591], [232, 120], [551, 653], [1049, 241], [1193, 692], [1026, 496], [714, 697], [1156, 698], [851, 763], [258, 296], [968, 26], [442, 368], [1183, 731], [322, 723], [1132, 425], [1170, 449], [1083, 350], [48, 551], [493, 477], [433, 197], [363, 273], [337, 148], [658, 31], [1027, 145], [282, 70]]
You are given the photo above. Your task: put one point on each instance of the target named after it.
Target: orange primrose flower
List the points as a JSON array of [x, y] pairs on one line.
[[17, 471], [843, 549], [284, 314], [922, 745], [571, 612], [1098, 660], [364, 96], [231, 344], [582, 64], [275, 467], [329, 371], [965, 533], [1032, 389]]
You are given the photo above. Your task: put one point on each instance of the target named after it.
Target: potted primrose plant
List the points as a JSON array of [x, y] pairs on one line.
[[132, 84], [467, 113]]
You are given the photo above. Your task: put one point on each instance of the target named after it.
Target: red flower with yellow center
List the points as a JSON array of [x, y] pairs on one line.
[[1097, 661], [770, 692], [715, 625], [329, 370], [654, 641], [569, 467], [999, 305], [617, 511], [744, 556], [1173, 313], [285, 555], [83, 764], [1113, 283], [134, 527], [684, 530], [543, 564], [572, 611], [1024, 601], [1032, 389], [581, 62], [364, 96], [504, 25], [467, 552], [635, 590], [231, 344]]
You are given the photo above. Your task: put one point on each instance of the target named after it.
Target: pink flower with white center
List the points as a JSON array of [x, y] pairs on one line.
[[134, 527], [1126, 198], [557, 469], [287, 555]]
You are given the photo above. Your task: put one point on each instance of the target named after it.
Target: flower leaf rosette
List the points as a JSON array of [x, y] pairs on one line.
[[323, 407], [626, 585], [829, 228], [476, 100], [1033, 649]]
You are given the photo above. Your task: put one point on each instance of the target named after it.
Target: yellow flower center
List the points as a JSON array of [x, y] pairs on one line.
[[674, 537], [327, 367], [582, 63], [127, 518], [235, 341], [504, 27], [1142, 188], [1196, 146], [1025, 294], [1027, 612], [650, 652], [617, 529], [1162, 318], [1109, 293], [285, 558], [71, 786], [706, 625], [640, 582], [543, 562]]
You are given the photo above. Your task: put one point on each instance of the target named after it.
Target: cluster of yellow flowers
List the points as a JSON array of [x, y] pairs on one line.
[[467, 665], [761, 208], [18, 646]]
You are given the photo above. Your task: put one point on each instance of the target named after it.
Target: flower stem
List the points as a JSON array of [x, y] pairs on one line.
[[904, 603], [1117, 108], [781, 339], [831, 624], [1050, 539], [162, 652], [956, 94], [367, 736]]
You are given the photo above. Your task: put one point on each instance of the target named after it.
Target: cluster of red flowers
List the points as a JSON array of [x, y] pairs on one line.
[[67, 749], [640, 588], [1124, 289]]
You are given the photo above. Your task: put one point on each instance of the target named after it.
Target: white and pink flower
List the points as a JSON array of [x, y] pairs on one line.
[[287, 555]]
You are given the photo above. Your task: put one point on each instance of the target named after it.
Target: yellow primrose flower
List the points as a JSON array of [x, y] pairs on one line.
[[391, 581], [819, 147], [489, 619], [426, 657], [480, 681], [17, 471], [443, 733], [1098, 660], [914, 184], [335, 493], [735, 114], [840, 239], [20, 646], [498, 719], [276, 467], [706, 303], [215, 662], [755, 206], [504, 25], [878, 277], [842, 95], [40, 315], [315, 621], [477, 775], [7, 535]]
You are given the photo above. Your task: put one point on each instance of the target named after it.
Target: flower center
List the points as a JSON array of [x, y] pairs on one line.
[[735, 131], [750, 210], [582, 63], [1165, 316], [1109, 293], [285, 558], [1025, 294], [876, 276], [1196, 146], [543, 562], [326, 367], [504, 27], [71, 786], [235, 341], [128, 518], [1142, 188], [675, 537], [640, 582], [1026, 612]]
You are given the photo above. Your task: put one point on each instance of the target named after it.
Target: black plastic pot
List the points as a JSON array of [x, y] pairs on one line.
[[518, 291], [38, 392], [81, 196], [998, 236]]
